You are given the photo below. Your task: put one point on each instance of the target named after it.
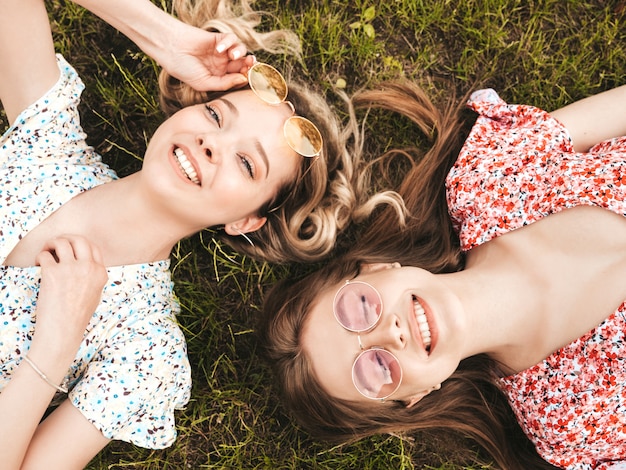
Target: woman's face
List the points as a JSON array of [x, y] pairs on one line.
[[219, 163], [410, 297]]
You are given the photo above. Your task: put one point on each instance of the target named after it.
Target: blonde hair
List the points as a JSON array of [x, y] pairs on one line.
[[306, 215]]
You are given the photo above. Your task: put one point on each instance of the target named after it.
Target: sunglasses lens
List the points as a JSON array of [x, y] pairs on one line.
[[267, 83], [357, 306], [376, 373], [303, 136]]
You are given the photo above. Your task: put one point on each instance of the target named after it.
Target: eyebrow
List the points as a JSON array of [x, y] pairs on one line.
[[259, 147]]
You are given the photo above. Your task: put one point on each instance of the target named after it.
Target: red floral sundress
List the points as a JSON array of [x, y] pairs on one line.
[[517, 166]]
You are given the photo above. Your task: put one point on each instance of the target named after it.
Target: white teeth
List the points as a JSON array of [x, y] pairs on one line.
[[422, 322], [185, 166]]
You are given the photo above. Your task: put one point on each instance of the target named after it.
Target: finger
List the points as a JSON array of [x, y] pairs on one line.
[[231, 80], [239, 66], [232, 44], [59, 247], [83, 249], [96, 254], [244, 65], [237, 52], [44, 259], [222, 83], [72, 246]]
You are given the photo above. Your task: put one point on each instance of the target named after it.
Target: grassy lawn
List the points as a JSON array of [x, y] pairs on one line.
[[541, 52]]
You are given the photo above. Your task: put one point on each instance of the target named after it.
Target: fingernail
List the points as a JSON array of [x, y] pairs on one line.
[[236, 55], [220, 48]]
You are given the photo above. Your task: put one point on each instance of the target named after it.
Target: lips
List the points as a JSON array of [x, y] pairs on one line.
[[422, 323], [185, 166]]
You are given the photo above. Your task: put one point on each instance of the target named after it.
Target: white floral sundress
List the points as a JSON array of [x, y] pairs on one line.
[[131, 371]]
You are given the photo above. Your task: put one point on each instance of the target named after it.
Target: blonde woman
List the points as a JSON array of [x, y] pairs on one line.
[[87, 312]]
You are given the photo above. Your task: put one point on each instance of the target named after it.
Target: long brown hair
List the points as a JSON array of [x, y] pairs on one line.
[[426, 236], [469, 404]]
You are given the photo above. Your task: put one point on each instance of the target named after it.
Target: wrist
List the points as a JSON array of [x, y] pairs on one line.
[[148, 26], [43, 376], [52, 355], [158, 37], [163, 47], [50, 367]]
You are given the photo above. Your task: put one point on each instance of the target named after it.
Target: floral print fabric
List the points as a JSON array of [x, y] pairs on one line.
[[131, 371], [517, 166]]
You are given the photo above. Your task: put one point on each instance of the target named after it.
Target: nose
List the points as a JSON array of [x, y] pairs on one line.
[[388, 334], [207, 149]]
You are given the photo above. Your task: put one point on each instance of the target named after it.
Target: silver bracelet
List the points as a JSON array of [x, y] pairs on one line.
[[44, 376]]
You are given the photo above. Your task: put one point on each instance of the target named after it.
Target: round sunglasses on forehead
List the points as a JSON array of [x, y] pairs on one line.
[[376, 372], [269, 85]]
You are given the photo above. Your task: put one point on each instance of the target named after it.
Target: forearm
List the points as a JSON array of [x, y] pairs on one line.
[[596, 118], [148, 26], [23, 403]]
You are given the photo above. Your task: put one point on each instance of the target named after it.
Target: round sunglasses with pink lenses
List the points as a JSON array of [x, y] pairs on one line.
[[376, 372]]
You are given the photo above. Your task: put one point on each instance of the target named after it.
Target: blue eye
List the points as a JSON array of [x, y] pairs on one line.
[[247, 165], [213, 114]]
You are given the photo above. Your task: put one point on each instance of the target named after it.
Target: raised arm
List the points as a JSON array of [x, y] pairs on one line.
[[595, 118], [27, 64], [203, 60]]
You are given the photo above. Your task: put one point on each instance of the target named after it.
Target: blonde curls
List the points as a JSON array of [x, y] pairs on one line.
[[328, 194], [321, 201]]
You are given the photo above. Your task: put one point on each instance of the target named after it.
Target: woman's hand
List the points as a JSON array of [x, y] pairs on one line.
[[207, 61], [204, 60], [72, 278]]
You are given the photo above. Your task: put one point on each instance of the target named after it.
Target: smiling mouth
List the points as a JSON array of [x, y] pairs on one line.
[[422, 323], [185, 166]]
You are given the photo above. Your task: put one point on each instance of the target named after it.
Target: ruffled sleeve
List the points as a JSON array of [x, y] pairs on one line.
[[518, 165], [49, 130], [130, 392]]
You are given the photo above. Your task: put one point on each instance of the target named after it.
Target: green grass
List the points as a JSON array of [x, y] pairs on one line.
[[541, 52]]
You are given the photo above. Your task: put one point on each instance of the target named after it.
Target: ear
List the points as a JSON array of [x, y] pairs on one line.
[[366, 268], [418, 396], [250, 223]]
